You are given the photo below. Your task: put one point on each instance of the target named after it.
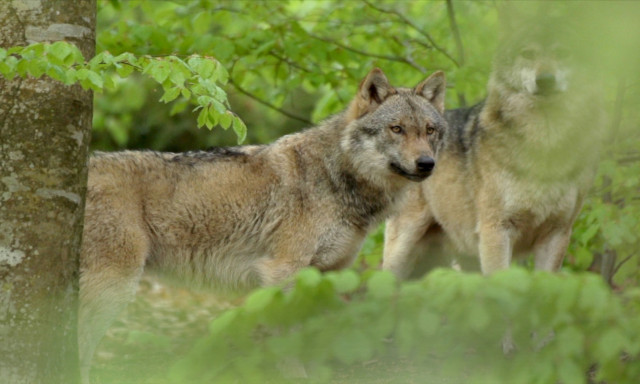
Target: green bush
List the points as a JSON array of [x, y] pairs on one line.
[[564, 326]]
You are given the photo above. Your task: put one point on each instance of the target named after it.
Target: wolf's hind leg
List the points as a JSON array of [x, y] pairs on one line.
[[550, 250], [109, 276], [403, 231]]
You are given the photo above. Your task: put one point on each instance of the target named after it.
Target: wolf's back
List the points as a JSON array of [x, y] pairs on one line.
[[464, 124]]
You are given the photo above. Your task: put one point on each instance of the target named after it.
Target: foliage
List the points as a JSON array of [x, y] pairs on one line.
[[286, 64], [195, 79], [563, 325], [274, 51]]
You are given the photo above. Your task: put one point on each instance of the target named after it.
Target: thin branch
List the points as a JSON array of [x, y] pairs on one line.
[[615, 270], [459, 47], [456, 32], [416, 28], [268, 104], [374, 55], [289, 62]]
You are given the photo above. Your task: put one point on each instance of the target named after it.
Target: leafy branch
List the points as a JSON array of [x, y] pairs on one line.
[[369, 54], [196, 79], [415, 27], [268, 104]]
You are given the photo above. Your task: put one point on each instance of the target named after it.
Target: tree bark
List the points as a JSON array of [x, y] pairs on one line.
[[44, 138]]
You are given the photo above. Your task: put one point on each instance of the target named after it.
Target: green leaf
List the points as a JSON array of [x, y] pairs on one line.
[[203, 116], [36, 68], [260, 299], [344, 281], [611, 344], [124, 70], [225, 120], [170, 94], [221, 74], [240, 129], [60, 50], [309, 277], [178, 107], [159, 70], [478, 317], [381, 285], [203, 67], [95, 80], [223, 322]]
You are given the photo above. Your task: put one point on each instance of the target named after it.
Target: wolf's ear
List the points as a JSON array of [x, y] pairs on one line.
[[433, 89], [375, 87], [373, 90]]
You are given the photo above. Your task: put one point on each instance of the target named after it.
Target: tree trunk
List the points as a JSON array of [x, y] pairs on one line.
[[44, 138]]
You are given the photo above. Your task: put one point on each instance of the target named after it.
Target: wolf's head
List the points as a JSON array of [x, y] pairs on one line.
[[533, 60], [394, 133]]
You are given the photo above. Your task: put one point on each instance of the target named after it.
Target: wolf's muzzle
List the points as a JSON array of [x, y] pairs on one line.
[[545, 83], [422, 171], [425, 164]]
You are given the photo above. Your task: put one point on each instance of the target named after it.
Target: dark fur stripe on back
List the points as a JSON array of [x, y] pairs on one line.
[[211, 154]]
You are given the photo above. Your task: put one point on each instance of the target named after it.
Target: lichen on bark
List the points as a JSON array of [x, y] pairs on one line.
[[44, 137]]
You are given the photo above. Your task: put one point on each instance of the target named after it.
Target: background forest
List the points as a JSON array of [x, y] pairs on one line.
[[281, 66]]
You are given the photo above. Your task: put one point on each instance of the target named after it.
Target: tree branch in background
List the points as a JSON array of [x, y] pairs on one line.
[[289, 62], [459, 47], [607, 259], [268, 104], [374, 55], [411, 24]]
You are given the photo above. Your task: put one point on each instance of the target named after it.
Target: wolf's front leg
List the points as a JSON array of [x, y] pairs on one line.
[[403, 231], [495, 247]]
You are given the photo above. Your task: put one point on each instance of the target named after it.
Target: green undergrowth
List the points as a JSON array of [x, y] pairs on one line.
[[568, 328]]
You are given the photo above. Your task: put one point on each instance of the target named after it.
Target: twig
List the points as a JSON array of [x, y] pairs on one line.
[[615, 270], [459, 47], [268, 104], [289, 62], [374, 55], [416, 28], [456, 32]]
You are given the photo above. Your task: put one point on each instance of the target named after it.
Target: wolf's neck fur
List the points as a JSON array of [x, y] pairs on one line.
[[540, 137], [367, 198]]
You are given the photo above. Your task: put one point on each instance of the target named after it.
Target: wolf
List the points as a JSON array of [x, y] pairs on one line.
[[248, 216], [514, 169]]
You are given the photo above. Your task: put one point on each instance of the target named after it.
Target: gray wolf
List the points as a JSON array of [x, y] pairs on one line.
[[514, 169], [242, 217]]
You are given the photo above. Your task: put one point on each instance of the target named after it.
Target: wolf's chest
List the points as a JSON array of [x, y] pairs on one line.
[[537, 201]]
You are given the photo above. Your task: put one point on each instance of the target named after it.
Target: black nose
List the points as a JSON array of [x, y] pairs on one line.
[[545, 82], [425, 164]]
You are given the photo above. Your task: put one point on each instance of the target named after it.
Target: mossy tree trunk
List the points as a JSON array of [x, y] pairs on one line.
[[44, 138]]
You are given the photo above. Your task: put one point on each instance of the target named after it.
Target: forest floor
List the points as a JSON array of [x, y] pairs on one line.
[[164, 322]]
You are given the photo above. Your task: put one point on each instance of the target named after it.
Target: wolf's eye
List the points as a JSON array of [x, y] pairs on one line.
[[528, 53], [430, 130], [396, 129]]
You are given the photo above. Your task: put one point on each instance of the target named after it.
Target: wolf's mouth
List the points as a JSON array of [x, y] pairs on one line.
[[396, 168]]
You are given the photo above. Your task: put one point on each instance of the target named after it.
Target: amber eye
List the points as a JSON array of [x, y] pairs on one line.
[[430, 130], [396, 129]]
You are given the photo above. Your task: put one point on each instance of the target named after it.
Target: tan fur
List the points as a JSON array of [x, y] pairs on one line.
[[243, 217], [513, 172]]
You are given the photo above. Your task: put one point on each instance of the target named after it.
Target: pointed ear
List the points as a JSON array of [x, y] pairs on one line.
[[373, 90], [433, 89], [375, 87]]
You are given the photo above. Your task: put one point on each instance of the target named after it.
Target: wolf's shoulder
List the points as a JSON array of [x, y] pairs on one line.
[[464, 125]]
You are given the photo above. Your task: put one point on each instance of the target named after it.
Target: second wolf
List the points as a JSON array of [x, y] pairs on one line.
[[514, 170], [249, 216]]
